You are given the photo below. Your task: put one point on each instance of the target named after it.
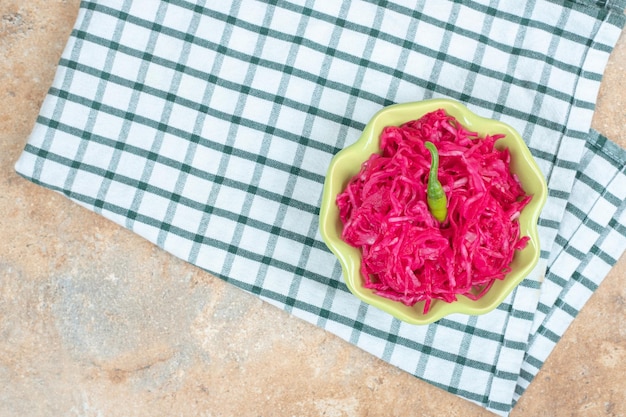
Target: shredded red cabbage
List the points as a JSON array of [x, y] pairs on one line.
[[408, 255]]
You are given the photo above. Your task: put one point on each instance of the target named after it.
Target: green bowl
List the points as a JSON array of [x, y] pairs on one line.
[[347, 163]]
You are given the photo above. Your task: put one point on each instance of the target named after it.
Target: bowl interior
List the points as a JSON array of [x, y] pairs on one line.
[[347, 163]]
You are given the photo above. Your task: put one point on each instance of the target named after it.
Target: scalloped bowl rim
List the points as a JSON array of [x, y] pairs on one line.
[[347, 162]]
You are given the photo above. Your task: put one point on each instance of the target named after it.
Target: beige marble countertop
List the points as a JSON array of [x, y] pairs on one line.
[[95, 321]]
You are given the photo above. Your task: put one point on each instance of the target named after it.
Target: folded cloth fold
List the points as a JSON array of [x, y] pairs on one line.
[[207, 128]]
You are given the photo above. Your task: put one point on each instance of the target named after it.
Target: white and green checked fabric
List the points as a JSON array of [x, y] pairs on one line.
[[207, 128]]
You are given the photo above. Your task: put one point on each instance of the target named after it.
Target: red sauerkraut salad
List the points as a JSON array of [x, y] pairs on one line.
[[408, 255]]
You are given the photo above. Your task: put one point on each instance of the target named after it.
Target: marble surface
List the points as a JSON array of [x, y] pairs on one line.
[[95, 321]]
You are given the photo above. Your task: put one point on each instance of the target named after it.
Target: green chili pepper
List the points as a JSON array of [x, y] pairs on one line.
[[436, 197]]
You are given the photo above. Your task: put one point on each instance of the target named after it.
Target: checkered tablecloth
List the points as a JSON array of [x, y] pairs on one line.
[[207, 128]]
